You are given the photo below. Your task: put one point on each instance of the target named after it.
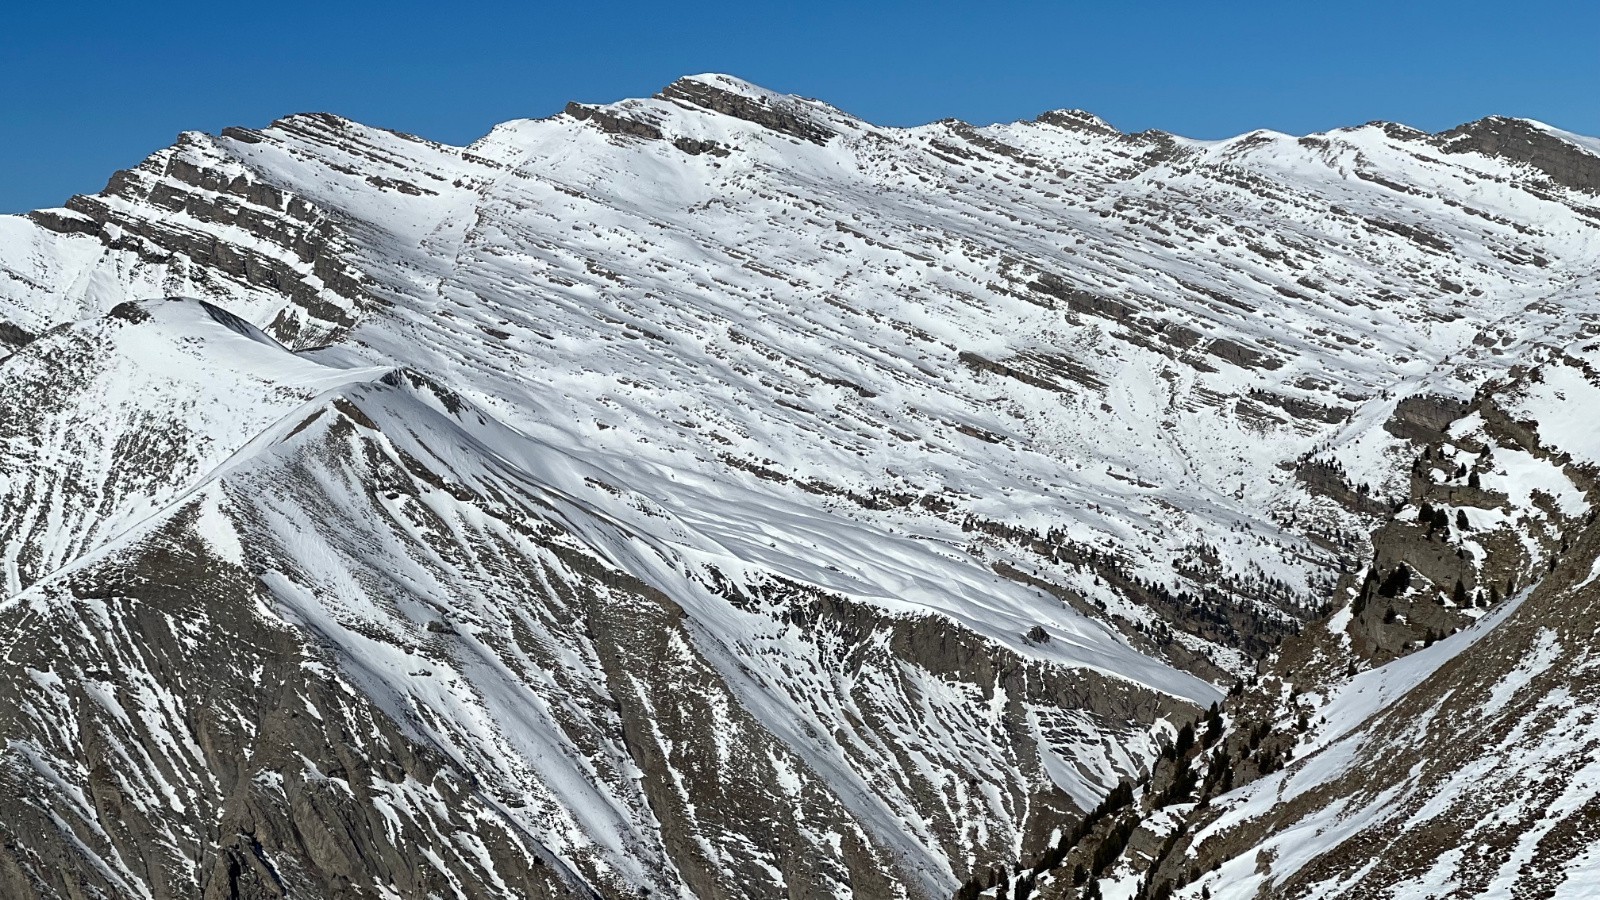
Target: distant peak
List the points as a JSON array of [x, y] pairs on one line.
[[1398, 131], [320, 125], [740, 99], [1567, 159], [1501, 128], [1077, 120], [1489, 121], [296, 121], [730, 84]]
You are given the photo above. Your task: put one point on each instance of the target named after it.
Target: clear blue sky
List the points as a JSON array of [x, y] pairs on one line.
[[87, 88]]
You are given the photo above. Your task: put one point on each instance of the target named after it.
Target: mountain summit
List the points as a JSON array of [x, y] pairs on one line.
[[717, 495]]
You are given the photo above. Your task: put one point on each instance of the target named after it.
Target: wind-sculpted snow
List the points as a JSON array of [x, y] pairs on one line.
[[739, 497], [629, 703], [108, 421]]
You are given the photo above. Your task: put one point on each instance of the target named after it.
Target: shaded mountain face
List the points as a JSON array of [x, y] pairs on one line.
[[716, 495]]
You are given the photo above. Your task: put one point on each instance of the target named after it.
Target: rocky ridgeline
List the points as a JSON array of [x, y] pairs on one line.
[[220, 231]]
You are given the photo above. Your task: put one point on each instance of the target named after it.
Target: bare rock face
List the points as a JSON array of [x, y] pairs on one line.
[[13, 337], [613, 124], [1525, 142], [294, 251], [244, 779], [716, 495], [1423, 419], [1078, 120], [728, 97]]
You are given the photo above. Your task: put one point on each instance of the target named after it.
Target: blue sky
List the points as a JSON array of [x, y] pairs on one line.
[[88, 88]]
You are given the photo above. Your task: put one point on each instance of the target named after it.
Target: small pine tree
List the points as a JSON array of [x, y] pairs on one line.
[[1185, 740], [1441, 519], [1425, 513], [1461, 521], [1460, 595], [1396, 582], [1213, 724], [1472, 480]]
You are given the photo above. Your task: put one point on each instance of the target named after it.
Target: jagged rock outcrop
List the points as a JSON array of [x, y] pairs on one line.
[[1525, 142], [785, 115]]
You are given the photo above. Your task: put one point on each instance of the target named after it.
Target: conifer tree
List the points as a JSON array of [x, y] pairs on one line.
[[1185, 741], [1213, 724], [1396, 582]]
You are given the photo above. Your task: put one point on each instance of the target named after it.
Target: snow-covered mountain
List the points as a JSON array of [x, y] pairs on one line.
[[716, 495]]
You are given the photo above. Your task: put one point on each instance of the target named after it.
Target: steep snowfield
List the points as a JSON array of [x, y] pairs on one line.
[[630, 690], [680, 466], [104, 423]]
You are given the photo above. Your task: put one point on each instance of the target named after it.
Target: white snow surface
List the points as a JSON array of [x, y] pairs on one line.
[[701, 364]]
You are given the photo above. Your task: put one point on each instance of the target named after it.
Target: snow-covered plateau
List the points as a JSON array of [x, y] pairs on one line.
[[718, 496]]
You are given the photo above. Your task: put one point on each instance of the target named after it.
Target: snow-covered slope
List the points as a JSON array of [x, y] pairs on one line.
[[1465, 768], [1429, 737], [732, 494], [643, 707]]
